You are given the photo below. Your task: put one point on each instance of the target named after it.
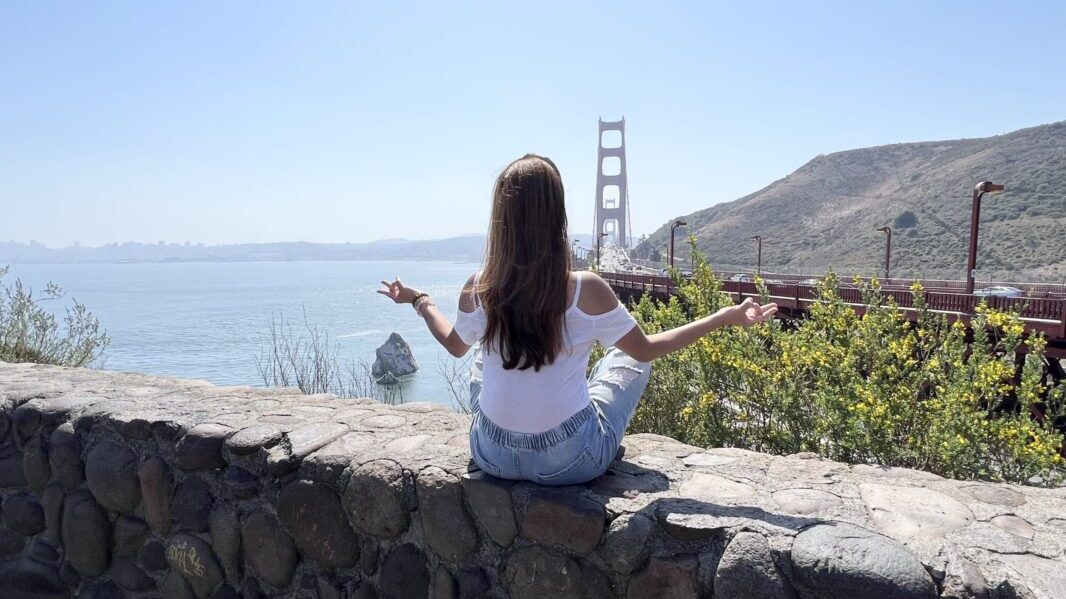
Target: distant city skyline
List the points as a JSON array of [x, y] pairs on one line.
[[338, 122]]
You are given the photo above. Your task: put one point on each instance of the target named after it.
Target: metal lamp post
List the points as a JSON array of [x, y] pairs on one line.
[[673, 229], [979, 191], [888, 249], [599, 245], [758, 259]]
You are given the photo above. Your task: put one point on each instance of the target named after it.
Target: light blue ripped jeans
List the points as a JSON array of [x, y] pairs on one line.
[[576, 451]]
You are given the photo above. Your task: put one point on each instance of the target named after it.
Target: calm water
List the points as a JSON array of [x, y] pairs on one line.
[[210, 320]]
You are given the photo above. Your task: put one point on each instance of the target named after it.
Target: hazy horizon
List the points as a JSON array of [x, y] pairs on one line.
[[333, 123]]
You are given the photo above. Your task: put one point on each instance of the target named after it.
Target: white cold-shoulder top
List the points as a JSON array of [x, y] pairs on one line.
[[528, 401]]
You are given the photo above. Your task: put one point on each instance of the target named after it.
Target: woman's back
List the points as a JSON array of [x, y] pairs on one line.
[[532, 401]]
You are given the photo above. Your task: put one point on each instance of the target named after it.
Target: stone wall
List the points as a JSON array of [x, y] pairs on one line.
[[124, 485]]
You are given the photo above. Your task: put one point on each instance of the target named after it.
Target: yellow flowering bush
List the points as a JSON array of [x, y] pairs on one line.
[[871, 387]]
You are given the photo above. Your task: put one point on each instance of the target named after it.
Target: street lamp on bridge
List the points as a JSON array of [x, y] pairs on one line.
[[673, 228], [758, 259], [888, 249], [599, 245], [979, 191]]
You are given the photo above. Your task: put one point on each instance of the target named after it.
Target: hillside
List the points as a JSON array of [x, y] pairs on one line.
[[823, 214]]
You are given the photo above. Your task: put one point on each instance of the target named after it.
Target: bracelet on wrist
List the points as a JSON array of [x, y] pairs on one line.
[[422, 305], [418, 301]]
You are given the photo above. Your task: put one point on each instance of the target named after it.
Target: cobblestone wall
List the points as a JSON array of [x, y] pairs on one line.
[[123, 485]]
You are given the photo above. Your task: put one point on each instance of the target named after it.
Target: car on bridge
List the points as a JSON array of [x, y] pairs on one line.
[[999, 291], [740, 277]]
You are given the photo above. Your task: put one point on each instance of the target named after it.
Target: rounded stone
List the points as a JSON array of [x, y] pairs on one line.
[[964, 580], [86, 534], [564, 519], [64, 457], [68, 574], [666, 578], [201, 447], [490, 503], [404, 574], [626, 543], [268, 549], [836, 560], [448, 529], [193, 559], [239, 483], [996, 494], [472, 583], [11, 472], [153, 556], [913, 512], [407, 444], [192, 503], [226, 539], [176, 587], [44, 552], [128, 576], [313, 514], [52, 502], [25, 578], [714, 488], [533, 572], [384, 421], [374, 499], [11, 542], [23, 514], [111, 475], [130, 535], [747, 571], [1016, 526], [442, 585], [35, 464], [806, 501], [250, 439], [157, 488]]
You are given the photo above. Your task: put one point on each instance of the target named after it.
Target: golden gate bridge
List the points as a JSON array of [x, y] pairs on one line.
[[1041, 307]]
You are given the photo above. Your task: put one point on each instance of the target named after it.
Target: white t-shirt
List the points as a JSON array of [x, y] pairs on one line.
[[528, 401]]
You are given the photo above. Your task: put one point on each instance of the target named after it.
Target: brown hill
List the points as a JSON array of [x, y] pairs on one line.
[[823, 214]]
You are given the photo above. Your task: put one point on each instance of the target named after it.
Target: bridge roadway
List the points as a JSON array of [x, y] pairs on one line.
[[1043, 310]]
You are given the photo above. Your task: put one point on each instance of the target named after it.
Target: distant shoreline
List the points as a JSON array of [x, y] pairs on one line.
[[467, 248], [458, 260]]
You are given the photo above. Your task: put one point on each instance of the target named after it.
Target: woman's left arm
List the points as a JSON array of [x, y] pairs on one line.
[[438, 324]]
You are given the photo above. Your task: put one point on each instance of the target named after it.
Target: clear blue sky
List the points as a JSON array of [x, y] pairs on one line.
[[224, 122]]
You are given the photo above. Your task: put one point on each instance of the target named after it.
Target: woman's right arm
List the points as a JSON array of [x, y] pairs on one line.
[[646, 348]]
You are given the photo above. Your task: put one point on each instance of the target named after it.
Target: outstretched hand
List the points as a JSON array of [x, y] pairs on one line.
[[750, 312], [398, 292]]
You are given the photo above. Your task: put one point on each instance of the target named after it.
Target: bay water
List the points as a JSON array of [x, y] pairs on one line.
[[210, 320]]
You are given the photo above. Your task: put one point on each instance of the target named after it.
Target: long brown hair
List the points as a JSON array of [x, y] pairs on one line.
[[527, 265]]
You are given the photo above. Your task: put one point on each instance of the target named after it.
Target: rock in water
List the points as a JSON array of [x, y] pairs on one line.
[[394, 358]]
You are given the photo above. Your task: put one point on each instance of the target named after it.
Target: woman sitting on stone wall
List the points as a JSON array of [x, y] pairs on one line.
[[535, 417]]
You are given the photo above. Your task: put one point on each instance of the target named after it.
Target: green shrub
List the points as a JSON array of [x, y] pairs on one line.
[[29, 333], [876, 388], [906, 220]]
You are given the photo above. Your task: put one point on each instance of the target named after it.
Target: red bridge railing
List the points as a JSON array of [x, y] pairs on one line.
[[1044, 314]]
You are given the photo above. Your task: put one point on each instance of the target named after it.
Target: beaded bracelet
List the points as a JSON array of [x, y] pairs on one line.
[[418, 299]]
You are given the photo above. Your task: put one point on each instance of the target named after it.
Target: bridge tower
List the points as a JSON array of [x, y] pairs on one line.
[[612, 188]]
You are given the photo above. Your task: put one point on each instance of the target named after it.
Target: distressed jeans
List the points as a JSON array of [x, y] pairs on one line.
[[576, 451]]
